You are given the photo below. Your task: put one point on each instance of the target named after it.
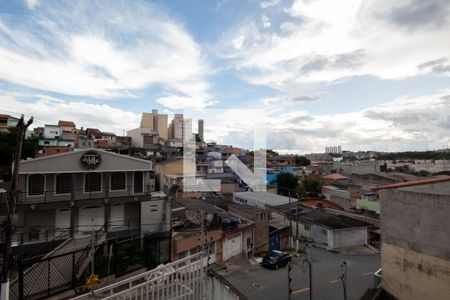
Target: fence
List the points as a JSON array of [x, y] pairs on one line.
[[182, 279], [37, 277]]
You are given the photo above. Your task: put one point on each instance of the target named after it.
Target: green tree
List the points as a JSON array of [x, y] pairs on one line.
[[301, 161], [286, 182], [312, 186], [273, 153]]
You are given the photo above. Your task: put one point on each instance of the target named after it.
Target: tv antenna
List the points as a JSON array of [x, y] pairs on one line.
[[194, 217]]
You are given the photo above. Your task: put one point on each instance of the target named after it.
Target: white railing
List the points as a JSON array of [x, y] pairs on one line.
[[182, 279]]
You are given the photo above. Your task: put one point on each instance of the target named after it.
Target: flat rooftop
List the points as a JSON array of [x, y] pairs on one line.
[[266, 197], [331, 221]]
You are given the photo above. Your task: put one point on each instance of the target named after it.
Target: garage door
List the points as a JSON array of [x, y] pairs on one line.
[[62, 220], [232, 247], [91, 218], [117, 218]]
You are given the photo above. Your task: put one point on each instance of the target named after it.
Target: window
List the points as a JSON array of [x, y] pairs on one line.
[[212, 247], [63, 183], [183, 254], [138, 181], [36, 183], [154, 207], [93, 182], [117, 181]]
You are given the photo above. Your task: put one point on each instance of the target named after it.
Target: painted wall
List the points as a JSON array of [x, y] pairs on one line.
[[415, 250], [410, 275], [348, 237]]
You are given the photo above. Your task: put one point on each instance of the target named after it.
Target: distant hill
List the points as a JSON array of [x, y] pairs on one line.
[[415, 155]]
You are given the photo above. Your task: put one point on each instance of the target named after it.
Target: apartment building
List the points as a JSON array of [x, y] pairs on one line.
[[79, 192], [7, 122], [156, 123], [176, 127]]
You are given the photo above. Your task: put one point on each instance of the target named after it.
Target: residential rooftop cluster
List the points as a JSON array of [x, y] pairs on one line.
[[83, 201]]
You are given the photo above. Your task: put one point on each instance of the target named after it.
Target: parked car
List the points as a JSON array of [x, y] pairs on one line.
[[276, 259]]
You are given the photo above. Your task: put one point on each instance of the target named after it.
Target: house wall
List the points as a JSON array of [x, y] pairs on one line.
[[40, 218], [155, 216], [415, 249], [410, 275], [194, 240], [260, 236], [301, 230], [165, 168], [137, 139], [51, 132], [319, 233], [232, 246], [347, 237], [340, 197], [364, 203]]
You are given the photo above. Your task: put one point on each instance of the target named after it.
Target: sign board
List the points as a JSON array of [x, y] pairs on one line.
[[90, 159]]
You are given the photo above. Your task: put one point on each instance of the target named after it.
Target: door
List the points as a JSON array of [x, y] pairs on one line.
[[274, 242], [232, 247], [117, 218], [62, 220], [91, 218]]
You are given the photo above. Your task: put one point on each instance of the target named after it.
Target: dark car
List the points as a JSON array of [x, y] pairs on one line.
[[276, 259]]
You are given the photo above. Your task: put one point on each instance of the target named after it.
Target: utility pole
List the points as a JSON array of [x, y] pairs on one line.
[[290, 218], [304, 263], [343, 278], [11, 207], [289, 281]]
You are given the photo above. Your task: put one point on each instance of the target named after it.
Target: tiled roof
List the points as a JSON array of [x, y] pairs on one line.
[[335, 176], [66, 123]]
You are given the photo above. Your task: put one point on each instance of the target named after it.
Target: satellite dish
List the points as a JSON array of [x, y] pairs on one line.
[[209, 218], [193, 216]]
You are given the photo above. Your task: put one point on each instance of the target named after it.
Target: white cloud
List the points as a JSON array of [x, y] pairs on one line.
[[402, 124], [265, 21], [32, 3], [406, 123], [48, 110], [269, 3], [292, 100], [180, 102], [325, 41], [87, 48]]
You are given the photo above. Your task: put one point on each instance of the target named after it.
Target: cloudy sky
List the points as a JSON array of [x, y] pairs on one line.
[[364, 74]]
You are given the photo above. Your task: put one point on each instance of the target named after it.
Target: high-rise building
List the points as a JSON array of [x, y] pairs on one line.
[[156, 123], [176, 127], [333, 150], [200, 129]]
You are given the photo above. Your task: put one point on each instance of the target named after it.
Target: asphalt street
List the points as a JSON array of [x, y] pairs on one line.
[[259, 283]]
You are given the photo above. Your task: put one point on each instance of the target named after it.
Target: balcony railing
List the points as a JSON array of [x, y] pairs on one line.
[[38, 234], [138, 192]]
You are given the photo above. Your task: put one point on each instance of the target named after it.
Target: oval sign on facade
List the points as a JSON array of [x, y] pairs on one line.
[[90, 159]]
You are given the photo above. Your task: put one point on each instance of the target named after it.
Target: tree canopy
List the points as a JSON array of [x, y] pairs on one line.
[[286, 182], [301, 161]]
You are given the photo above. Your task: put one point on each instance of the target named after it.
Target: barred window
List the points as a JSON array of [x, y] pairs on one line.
[[63, 183], [93, 182], [138, 181], [36, 183], [117, 181]]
